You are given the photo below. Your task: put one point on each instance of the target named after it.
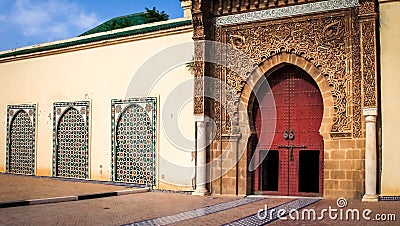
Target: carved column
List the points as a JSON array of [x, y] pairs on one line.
[[201, 157], [368, 21], [201, 21], [370, 115], [199, 56]]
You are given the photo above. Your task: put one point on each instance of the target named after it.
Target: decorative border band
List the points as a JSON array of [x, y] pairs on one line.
[[389, 198], [286, 11]]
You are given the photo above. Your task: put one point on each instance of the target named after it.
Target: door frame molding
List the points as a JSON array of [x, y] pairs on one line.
[[285, 74], [246, 102]]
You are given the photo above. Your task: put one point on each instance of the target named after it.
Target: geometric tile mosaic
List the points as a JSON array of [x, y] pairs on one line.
[[389, 198], [200, 212], [71, 139], [134, 140], [294, 10], [21, 127]]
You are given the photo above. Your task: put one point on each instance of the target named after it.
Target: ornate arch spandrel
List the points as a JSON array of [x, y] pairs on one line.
[[324, 40], [274, 63]]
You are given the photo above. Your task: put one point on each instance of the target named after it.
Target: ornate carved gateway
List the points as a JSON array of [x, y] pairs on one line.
[[333, 41]]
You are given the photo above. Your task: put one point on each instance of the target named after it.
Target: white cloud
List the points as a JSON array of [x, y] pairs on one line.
[[86, 21], [51, 19]]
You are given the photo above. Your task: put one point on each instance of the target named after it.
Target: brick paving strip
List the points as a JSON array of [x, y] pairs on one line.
[[263, 218], [197, 212]]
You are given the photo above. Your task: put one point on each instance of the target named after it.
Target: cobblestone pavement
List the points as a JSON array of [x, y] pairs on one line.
[[139, 207], [151, 205], [15, 187], [230, 215], [106, 211]]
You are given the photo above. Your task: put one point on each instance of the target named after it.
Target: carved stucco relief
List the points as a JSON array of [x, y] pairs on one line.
[[368, 63], [356, 73], [202, 30], [199, 65], [324, 41]]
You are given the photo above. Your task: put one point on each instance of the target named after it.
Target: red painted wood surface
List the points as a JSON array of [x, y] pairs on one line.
[[299, 108]]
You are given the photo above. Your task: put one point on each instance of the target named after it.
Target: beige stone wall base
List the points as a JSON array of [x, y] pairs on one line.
[[201, 193], [166, 186]]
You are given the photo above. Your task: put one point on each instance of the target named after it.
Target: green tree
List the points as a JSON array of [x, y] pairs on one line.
[[153, 15]]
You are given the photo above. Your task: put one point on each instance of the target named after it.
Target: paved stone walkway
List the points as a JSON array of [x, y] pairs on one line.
[[230, 215], [142, 207], [271, 214], [15, 187], [116, 210], [200, 212]]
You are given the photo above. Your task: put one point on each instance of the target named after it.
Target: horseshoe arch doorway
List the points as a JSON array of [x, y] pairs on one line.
[[293, 163]]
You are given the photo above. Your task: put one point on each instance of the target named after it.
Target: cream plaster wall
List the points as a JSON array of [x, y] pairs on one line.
[[390, 91], [99, 75]]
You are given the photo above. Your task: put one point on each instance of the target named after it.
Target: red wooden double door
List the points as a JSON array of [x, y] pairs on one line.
[[293, 163]]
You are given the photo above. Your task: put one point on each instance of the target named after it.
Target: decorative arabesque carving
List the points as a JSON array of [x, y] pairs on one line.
[[368, 52], [198, 69], [324, 41], [217, 90], [200, 21], [356, 67], [226, 7], [367, 7], [199, 78], [197, 20], [368, 63]]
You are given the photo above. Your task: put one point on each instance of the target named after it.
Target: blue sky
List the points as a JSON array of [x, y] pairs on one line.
[[30, 22]]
